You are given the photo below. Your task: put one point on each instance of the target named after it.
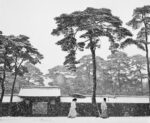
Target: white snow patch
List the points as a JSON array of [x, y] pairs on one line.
[[109, 99], [70, 76], [6, 99], [63, 73], [80, 64], [43, 91], [74, 120]]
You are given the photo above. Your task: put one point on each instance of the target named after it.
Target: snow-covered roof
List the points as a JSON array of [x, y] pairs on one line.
[[40, 92], [138, 99], [6, 99]]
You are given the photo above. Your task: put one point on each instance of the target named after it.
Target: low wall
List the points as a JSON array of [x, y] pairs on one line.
[[114, 109], [17, 109], [83, 109]]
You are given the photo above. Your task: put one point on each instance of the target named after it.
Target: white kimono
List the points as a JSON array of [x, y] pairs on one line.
[[72, 112], [104, 109]]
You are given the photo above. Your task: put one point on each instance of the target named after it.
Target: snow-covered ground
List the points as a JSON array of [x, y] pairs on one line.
[[74, 120], [110, 99]]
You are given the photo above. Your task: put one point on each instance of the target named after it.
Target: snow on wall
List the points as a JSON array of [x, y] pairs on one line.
[[109, 99], [6, 99]]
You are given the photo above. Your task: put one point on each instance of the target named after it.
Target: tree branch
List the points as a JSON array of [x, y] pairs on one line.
[[21, 63]]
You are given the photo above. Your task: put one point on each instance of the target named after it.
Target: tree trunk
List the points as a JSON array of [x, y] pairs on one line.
[[11, 98], [147, 58], [1, 108], [2, 88], [94, 76], [2, 95], [148, 71], [94, 82]]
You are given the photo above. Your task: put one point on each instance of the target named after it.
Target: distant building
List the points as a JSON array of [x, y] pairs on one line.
[[40, 99]]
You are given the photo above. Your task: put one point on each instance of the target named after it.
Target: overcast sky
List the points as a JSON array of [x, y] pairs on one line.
[[35, 19]]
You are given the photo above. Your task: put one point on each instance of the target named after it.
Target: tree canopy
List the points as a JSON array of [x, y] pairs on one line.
[[16, 50], [90, 23], [141, 21]]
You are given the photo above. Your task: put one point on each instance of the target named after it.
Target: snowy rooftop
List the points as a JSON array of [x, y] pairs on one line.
[[130, 99], [6, 99], [40, 92]]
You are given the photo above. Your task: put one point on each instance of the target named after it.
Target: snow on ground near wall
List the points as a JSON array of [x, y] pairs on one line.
[[6, 99], [109, 99], [74, 120]]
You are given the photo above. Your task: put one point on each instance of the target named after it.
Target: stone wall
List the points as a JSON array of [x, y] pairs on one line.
[[83, 109]]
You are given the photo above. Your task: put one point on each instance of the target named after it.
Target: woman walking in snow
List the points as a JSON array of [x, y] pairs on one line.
[[72, 111], [104, 109]]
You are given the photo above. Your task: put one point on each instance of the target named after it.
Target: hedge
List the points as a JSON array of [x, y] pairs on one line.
[[83, 109]]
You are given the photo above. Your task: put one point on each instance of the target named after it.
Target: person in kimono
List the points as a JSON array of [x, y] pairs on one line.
[[104, 109], [72, 111]]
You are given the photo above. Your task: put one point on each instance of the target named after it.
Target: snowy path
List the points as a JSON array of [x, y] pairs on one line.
[[75, 120]]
